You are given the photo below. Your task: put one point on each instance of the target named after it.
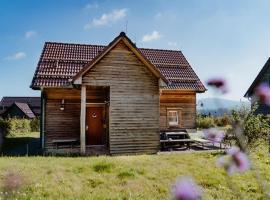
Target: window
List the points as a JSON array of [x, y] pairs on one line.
[[173, 118]]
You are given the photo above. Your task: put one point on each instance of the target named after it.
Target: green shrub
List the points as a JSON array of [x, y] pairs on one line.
[[222, 121], [35, 124], [205, 122], [255, 127], [15, 126], [18, 126]]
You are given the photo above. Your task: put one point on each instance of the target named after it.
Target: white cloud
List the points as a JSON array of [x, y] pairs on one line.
[[107, 18], [91, 6], [155, 35], [30, 33], [16, 56]]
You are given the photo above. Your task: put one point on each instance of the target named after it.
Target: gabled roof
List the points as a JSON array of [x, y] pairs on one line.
[[133, 48], [32, 101], [23, 107], [257, 79], [60, 62]]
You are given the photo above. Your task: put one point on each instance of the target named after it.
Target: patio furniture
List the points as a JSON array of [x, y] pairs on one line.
[[170, 140]]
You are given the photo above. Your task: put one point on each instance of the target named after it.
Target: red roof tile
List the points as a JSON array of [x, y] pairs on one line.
[[60, 62]]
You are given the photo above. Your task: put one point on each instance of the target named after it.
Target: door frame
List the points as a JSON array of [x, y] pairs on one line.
[[105, 116]]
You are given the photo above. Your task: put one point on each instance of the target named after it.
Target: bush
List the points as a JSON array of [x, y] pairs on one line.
[[222, 121], [15, 126], [205, 122], [18, 126], [255, 127], [35, 125]]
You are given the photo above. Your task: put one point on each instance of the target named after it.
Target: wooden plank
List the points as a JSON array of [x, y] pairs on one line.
[[184, 101], [134, 101], [83, 118]]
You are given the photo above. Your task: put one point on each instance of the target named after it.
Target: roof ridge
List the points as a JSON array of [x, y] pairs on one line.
[[158, 49], [72, 43], [100, 45]]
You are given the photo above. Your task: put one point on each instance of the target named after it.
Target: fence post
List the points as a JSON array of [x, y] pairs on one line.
[[27, 149]]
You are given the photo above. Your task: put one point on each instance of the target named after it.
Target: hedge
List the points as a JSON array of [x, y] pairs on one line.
[[15, 126]]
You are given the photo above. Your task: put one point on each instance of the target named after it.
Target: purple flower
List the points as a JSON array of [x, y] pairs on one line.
[[12, 181], [214, 135], [263, 92], [219, 84], [186, 189], [234, 161]]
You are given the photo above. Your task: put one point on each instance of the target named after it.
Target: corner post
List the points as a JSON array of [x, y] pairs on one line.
[[83, 114], [42, 120]]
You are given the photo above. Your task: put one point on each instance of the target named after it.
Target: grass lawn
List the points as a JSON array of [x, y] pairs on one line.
[[128, 177]]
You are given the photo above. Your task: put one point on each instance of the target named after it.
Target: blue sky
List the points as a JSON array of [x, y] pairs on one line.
[[228, 38]]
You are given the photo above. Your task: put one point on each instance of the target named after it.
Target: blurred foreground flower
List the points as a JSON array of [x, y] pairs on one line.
[[219, 84], [186, 189], [234, 161], [12, 181], [214, 134], [263, 92]]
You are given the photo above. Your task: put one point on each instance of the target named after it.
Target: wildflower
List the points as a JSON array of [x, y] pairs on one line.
[[13, 181], [234, 161], [214, 134], [186, 189], [219, 84], [263, 92]]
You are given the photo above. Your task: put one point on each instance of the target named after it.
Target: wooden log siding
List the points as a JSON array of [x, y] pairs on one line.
[[134, 101], [66, 124], [185, 101]]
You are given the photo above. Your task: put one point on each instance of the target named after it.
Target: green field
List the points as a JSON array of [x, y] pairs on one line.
[[128, 177]]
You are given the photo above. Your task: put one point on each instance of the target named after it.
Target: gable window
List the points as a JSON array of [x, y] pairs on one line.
[[173, 118]]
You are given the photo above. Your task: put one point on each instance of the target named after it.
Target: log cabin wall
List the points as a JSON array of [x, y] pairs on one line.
[[184, 102], [66, 124], [134, 101]]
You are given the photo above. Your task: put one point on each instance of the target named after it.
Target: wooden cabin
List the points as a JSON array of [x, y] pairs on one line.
[[262, 77], [20, 107], [113, 99]]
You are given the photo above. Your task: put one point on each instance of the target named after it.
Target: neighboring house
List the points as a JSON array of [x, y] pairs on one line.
[[20, 107], [262, 77], [116, 97]]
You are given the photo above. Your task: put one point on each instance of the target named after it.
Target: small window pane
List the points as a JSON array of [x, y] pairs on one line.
[[173, 118]]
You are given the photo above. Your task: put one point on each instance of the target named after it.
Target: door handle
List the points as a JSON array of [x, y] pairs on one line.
[[86, 128]]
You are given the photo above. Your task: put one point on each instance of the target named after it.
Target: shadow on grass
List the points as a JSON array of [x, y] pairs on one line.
[[21, 146]]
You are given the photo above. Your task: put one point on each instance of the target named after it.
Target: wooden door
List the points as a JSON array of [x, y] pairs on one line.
[[95, 117]]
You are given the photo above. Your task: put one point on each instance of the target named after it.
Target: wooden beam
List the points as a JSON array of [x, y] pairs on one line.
[[83, 113], [42, 119]]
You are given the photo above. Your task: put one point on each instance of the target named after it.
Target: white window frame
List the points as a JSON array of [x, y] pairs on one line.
[[173, 123]]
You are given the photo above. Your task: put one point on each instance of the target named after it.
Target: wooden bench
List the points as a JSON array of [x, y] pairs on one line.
[[59, 142], [173, 138]]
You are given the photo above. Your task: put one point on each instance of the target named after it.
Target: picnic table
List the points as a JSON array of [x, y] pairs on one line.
[[174, 139]]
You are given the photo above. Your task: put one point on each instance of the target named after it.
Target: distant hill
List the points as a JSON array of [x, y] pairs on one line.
[[218, 106]]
